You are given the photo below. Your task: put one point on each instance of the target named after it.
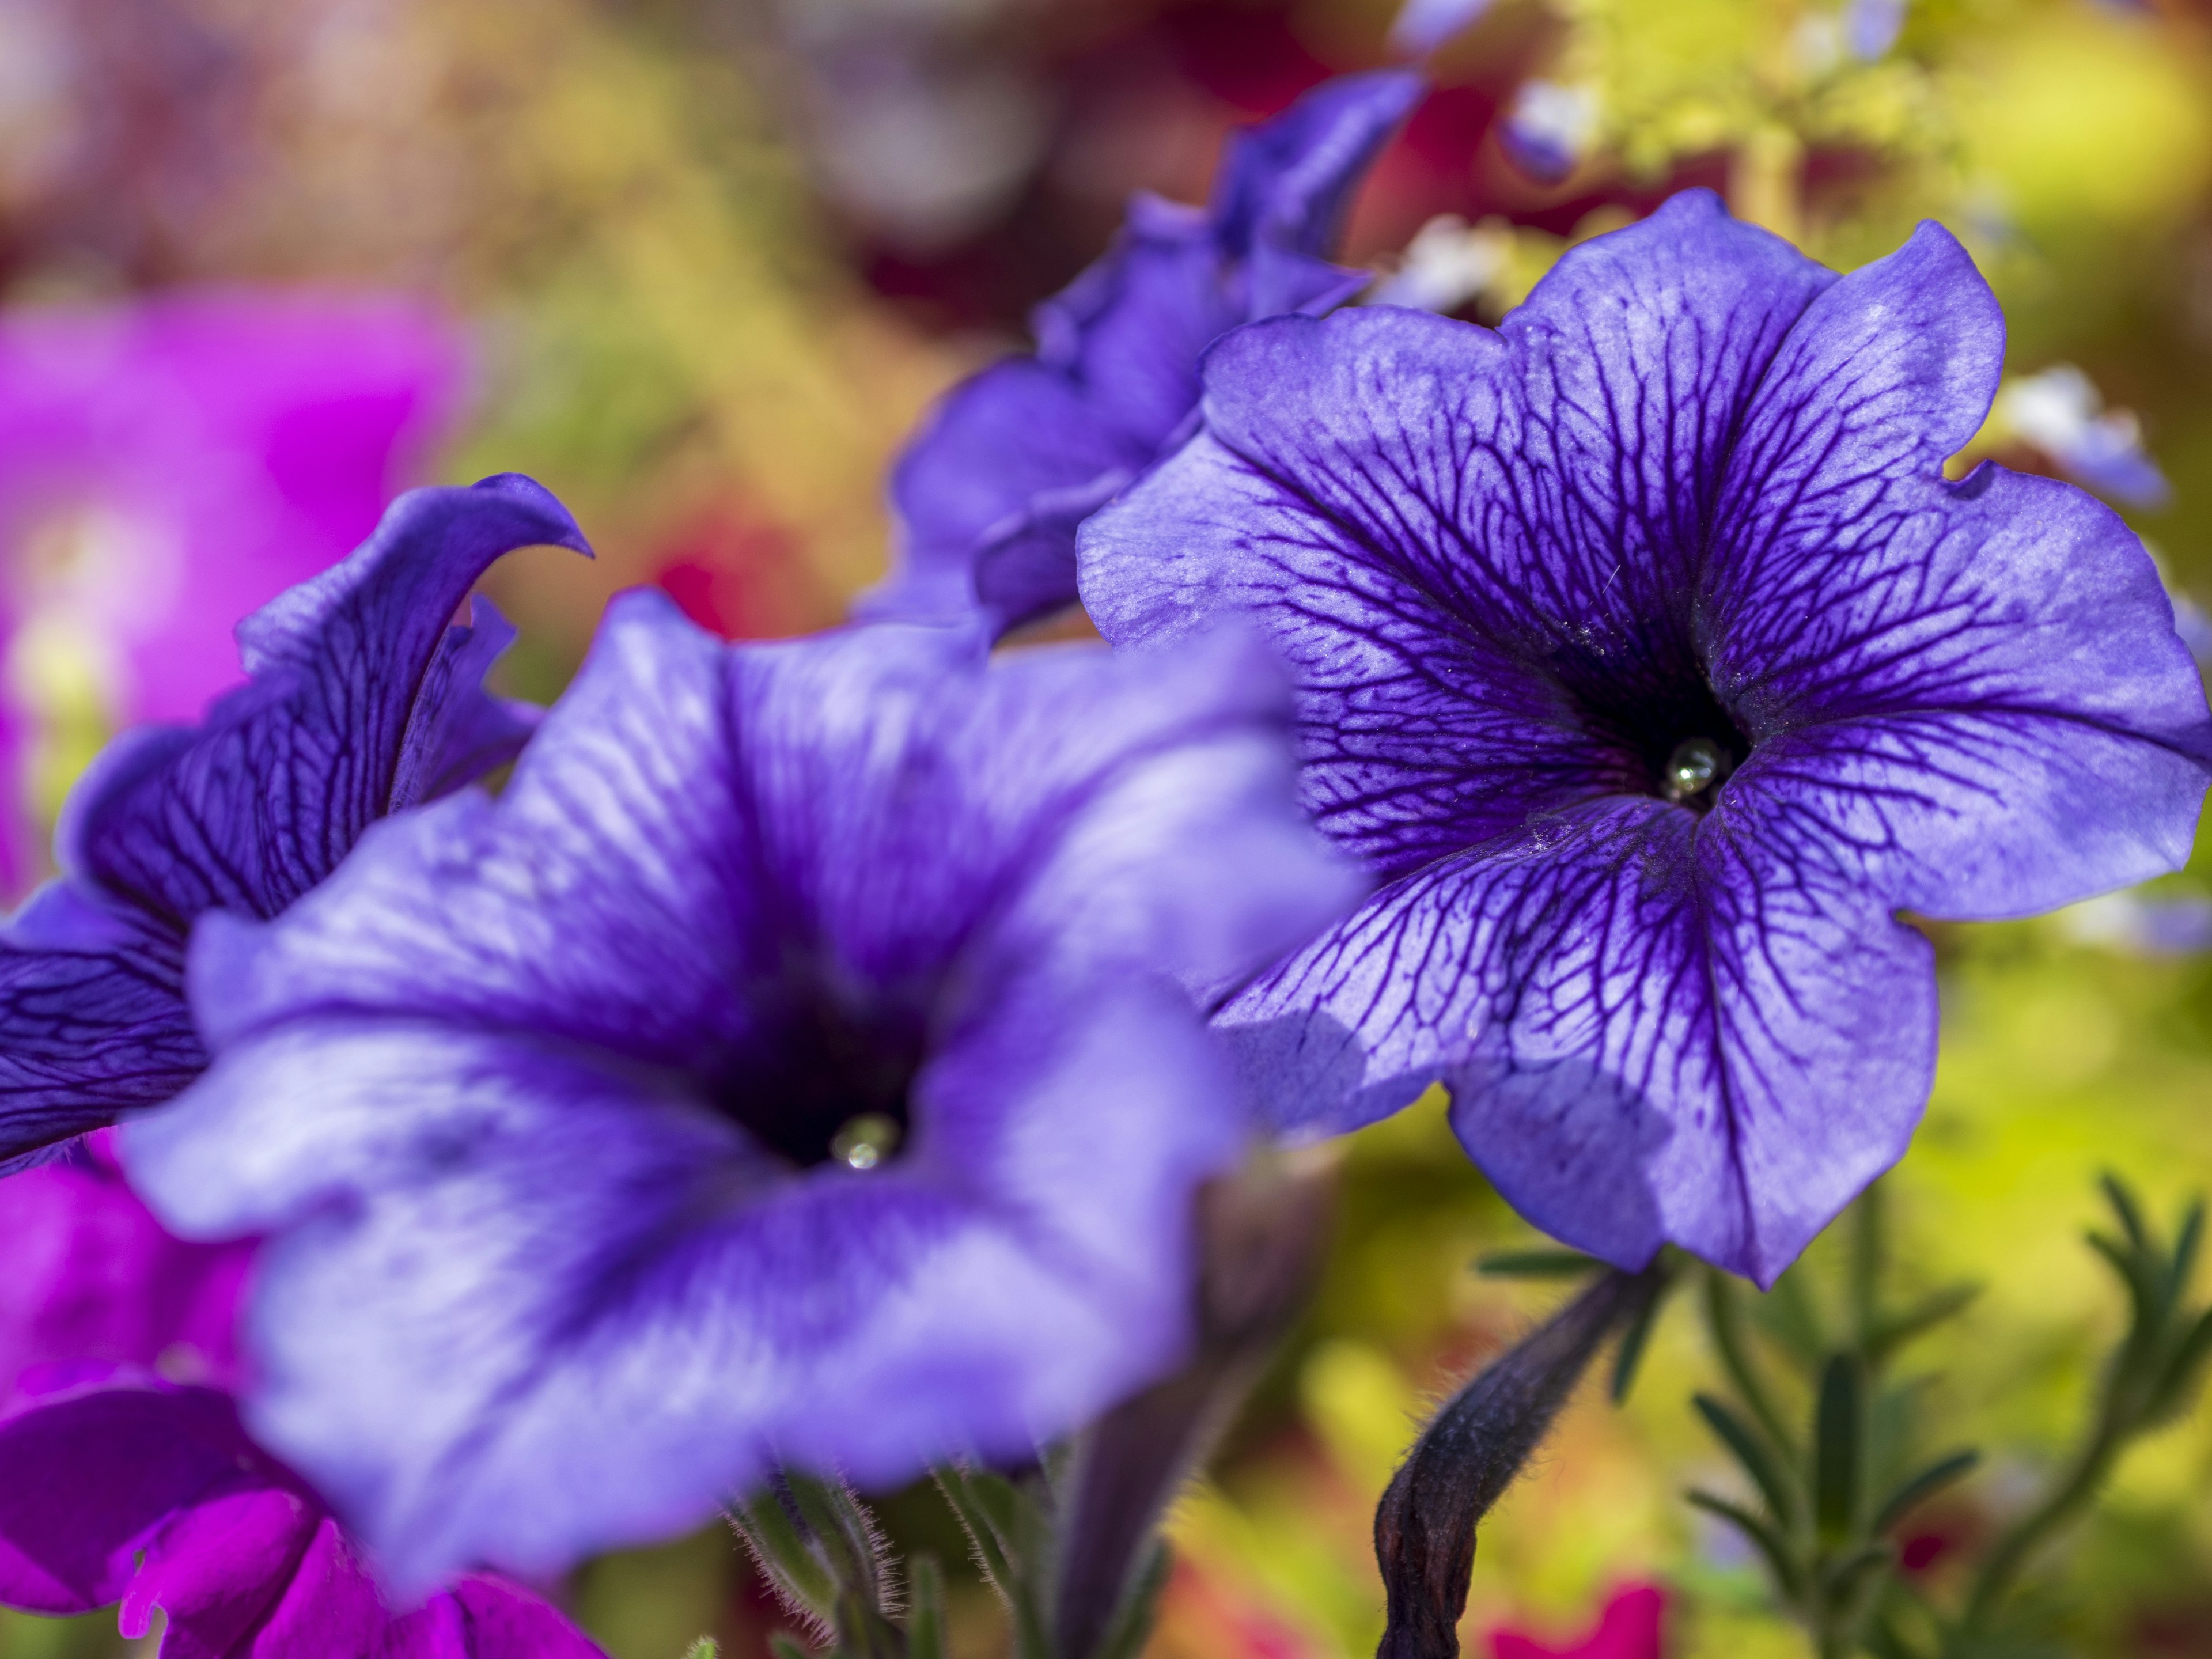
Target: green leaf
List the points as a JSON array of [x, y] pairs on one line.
[[1536, 1264], [1917, 1489], [1010, 1537], [1787, 1315], [1837, 1445], [1725, 1324], [1787, 1577], [705, 1648], [1633, 1341], [787, 1558], [1892, 1334], [2184, 1371], [783, 1647], [2129, 1212], [1766, 1471], [2136, 1275], [925, 1616], [2183, 1263], [1850, 1578]]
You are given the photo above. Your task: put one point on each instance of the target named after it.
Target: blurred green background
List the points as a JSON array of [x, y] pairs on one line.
[[715, 257]]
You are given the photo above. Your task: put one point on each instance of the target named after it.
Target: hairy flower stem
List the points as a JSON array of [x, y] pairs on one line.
[[1470, 1453]]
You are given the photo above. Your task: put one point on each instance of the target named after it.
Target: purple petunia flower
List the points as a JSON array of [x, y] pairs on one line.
[[1645, 654], [990, 494], [120, 1484], [782, 1067], [362, 700]]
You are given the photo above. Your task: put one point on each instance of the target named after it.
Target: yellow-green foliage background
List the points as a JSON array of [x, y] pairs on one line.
[[671, 328]]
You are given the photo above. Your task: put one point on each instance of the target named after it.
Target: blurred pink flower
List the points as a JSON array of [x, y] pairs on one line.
[[89, 1281], [125, 1476], [1630, 1627], [168, 465]]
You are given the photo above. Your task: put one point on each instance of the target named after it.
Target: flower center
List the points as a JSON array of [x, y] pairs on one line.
[[1675, 739], [1697, 764], [825, 1084]]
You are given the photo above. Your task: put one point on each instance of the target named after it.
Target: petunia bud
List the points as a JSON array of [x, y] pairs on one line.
[[1469, 1454]]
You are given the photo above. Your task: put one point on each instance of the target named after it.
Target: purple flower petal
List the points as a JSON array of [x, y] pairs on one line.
[[267, 796], [87, 1480], [362, 699], [1684, 508], [989, 493], [1951, 673], [587, 1047], [1422, 26]]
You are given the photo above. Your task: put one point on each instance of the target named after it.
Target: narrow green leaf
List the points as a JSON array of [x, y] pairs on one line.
[[1892, 1334], [2131, 1213], [1837, 1447], [925, 1616], [1849, 1579], [1788, 1577], [1916, 1489], [783, 1647], [705, 1648], [1633, 1340], [1787, 1314], [1725, 1324], [2183, 1371], [1536, 1264], [794, 1569], [957, 1484], [2182, 1262], [1766, 1471]]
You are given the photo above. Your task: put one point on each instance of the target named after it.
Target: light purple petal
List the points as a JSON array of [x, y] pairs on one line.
[[1692, 489], [632, 1315], [1654, 1029], [1422, 26], [1949, 674], [1063, 809], [580, 1034]]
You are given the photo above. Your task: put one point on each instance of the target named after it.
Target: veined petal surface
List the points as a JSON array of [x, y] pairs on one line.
[[362, 698], [1685, 508], [587, 1061]]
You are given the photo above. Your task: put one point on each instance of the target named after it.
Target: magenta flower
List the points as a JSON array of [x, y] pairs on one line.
[[1631, 1626], [1645, 654], [171, 465], [796, 1063], [125, 1476]]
